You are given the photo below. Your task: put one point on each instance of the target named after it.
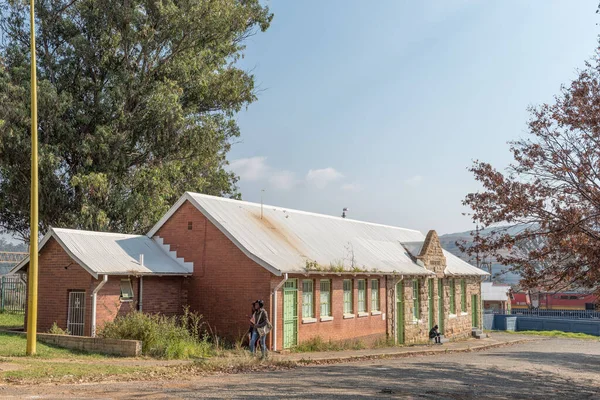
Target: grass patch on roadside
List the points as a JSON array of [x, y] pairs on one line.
[[13, 345], [11, 321], [318, 344], [36, 371], [559, 334]]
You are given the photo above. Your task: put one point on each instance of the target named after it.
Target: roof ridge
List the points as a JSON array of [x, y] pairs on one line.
[[88, 232], [293, 210]]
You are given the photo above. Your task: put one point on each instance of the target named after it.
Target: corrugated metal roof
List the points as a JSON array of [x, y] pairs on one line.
[[287, 241], [492, 292], [456, 266], [103, 253]]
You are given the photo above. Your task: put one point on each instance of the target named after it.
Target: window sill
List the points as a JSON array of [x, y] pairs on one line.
[[363, 314], [325, 319], [309, 320], [375, 312], [126, 300], [464, 313], [348, 316], [417, 321], [451, 316]]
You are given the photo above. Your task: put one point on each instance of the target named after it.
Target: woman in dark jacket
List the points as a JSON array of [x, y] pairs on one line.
[[261, 320]]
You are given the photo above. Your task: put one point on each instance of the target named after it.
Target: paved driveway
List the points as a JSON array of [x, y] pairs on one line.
[[554, 368]]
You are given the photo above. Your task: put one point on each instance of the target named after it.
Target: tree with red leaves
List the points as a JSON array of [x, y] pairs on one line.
[[546, 205]]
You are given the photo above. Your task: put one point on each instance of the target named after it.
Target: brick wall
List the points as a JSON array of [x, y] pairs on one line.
[[165, 295], [367, 327], [225, 282], [58, 274]]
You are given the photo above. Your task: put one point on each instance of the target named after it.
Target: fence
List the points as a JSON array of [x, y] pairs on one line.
[[569, 314], [13, 295]]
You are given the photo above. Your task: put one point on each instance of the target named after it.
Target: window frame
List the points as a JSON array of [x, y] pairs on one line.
[[348, 297], [362, 291], [463, 295], [308, 306], [124, 296], [416, 285], [327, 303], [375, 305], [452, 297]]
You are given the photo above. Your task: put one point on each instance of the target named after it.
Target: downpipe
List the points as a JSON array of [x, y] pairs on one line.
[[94, 297]]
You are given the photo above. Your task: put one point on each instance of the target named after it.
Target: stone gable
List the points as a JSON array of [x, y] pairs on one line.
[[432, 255]]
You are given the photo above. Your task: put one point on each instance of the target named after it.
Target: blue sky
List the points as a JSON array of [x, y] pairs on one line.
[[381, 106]]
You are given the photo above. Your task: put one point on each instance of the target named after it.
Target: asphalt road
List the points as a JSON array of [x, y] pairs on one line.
[[545, 369]]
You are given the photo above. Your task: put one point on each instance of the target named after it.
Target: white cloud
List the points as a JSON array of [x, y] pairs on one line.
[[322, 177], [284, 180], [414, 181], [250, 169], [351, 187]]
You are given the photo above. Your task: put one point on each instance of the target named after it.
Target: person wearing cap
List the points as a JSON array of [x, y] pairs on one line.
[[259, 324]]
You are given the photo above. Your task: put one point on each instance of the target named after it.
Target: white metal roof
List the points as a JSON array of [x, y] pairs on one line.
[[457, 266], [492, 292], [284, 240], [103, 253]]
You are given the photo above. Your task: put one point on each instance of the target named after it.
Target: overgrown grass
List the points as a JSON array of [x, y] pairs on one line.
[[318, 344], [13, 345], [11, 321], [560, 334], [177, 337]]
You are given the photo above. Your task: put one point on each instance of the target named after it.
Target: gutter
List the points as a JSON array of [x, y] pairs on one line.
[[285, 278], [94, 293]]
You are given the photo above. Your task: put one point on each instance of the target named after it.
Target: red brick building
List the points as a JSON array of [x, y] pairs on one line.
[[319, 276]]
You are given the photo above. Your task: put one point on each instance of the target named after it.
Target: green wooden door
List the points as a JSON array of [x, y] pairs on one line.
[[290, 313], [430, 302], [475, 310], [400, 312], [440, 322]]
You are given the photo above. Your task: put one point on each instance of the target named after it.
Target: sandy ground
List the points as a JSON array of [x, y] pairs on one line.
[[553, 368]]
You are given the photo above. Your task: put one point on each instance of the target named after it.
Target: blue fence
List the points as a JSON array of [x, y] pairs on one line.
[[570, 314], [503, 322]]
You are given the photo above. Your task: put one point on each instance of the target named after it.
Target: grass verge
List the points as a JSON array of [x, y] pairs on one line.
[[559, 334], [11, 321]]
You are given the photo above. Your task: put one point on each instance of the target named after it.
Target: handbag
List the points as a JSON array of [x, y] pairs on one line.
[[265, 329]]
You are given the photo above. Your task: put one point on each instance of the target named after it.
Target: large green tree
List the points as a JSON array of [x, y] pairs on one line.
[[137, 100]]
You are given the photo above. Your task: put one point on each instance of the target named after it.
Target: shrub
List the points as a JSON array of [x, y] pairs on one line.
[[57, 330], [176, 337]]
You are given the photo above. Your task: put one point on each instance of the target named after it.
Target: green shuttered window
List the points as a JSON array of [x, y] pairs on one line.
[[452, 297], [325, 297], [416, 307], [307, 299], [347, 296], [362, 295], [375, 295], [463, 296]]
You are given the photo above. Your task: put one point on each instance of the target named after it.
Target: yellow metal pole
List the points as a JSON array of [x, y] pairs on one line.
[[33, 238]]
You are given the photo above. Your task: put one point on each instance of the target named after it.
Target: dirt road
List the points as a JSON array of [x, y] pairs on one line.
[[553, 368]]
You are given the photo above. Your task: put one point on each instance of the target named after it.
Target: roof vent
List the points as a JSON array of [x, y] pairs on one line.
[[344, 211], [142, 260]]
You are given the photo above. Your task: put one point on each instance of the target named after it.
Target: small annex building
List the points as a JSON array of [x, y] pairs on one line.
[[318, 275]]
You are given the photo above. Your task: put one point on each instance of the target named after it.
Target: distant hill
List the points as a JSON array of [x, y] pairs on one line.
[[9, 244], [449, 240]]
